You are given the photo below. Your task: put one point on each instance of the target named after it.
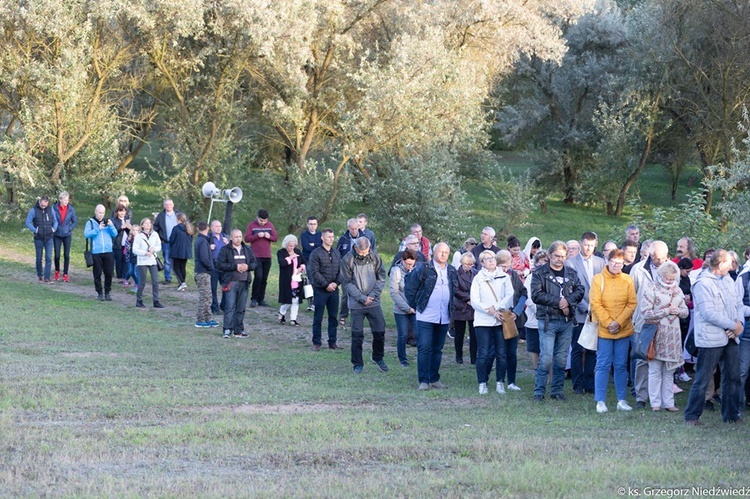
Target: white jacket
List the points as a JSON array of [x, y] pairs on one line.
[[482, 297], [717, 308], [141, 246]]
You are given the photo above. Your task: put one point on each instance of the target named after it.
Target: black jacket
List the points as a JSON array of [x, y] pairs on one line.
[[462, 309], [180, 243], [225, 263], [545, 293], [324, 267], [204, 260]]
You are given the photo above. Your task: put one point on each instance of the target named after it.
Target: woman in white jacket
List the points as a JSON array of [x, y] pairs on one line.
[[146, 245], [491, 292]]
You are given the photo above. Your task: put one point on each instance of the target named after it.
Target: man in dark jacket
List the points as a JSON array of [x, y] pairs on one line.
[[556, 291], [204, 266], [363, 279], [165, 221], [429, 290], [323, 269], [236, 260], [42, 221]]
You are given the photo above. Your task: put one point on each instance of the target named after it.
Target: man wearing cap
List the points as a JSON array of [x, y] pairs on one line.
[[42, 221]]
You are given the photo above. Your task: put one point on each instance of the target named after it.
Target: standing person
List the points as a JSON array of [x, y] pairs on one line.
[[100, 231], [181, 248], [504, 259], [742, 288], [719, 322], [131, 258], [402, 312], [633, 233], [236, 261], [533, 245], [583, 361], [556, 291], [204, 265], [260, 233], [532, 325], [491, 292], [123, 200], [66, 222], [424, 243], [163, 225], [344, 247], [308, 241], [122, 225], [411, 242], [363, 279], [323, 272], [520, 263], [218, 240], [467, 247], [291, 266], [613, 301], [430, 290], [573, 248], [686, 249], [607, 247], [463, 312], [145, 246], [362, 220], [485, 243], [42, 221], [665, 306]]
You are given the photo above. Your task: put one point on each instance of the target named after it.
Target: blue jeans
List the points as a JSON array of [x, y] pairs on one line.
[[45, 246], [325, 301], [728, 357], [402, 328], [236, 302], [133, 272], [167, 261], [582, 363], [611, 352], [554, 342], [490, 348], [430, 341]]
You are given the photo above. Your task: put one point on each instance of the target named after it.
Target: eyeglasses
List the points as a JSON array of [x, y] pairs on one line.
[[617, 264]]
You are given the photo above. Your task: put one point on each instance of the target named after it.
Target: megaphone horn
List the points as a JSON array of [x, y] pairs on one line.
[[234, 195], [209, 190]]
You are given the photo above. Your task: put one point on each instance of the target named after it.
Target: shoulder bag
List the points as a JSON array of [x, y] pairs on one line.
[[589, 337], [87, 254], [510, 330]]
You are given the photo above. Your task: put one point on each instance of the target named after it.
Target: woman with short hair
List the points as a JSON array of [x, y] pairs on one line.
[[491, 293], [664, 304], [402, 312], [291, 267], [463, 313]]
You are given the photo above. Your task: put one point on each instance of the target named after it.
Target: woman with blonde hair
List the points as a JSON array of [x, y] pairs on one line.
[[181, 248], [291, 267], [145, 246], [664, 305]]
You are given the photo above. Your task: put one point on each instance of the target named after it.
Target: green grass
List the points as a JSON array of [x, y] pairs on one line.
[[105, 400]]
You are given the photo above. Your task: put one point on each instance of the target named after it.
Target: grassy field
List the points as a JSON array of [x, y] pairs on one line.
[[101, 399]]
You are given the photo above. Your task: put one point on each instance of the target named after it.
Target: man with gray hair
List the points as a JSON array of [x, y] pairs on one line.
[[486, 243], [412, 242], [643, 273], [344, 247], [363, 278], [100, 230]]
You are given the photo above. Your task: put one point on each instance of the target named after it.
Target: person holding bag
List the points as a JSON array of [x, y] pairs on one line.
[[146, 245], [491, 293], [613, 301], [663, 304], [291, 267]]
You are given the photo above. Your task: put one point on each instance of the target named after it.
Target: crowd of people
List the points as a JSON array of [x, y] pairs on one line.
[[647, 314]]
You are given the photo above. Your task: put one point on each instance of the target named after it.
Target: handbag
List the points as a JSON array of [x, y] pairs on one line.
[[589, 337], [641, 340], [510, 330], [307, 288], [651, 351], [159, 264]]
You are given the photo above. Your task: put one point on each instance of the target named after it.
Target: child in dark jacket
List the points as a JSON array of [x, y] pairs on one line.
[[131, 258]]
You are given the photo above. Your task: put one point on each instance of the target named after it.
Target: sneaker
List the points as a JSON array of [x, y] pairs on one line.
[[100, 297], [65, 278], [483, 389], [558, 396], [241, 334], [227, 333], [263, 303], [500, 388], [381, 365], [514, 388], [212, 323], [107, 297], [201, 324], [623, 406], [640, 405], [158, 305], [182, 287], [311, 308], [48, 281], [57, 275], [601, 407], [438, 385], [253, 303], [424, 387], [405, 363], [293, 323], [684, 377], [357, 369]]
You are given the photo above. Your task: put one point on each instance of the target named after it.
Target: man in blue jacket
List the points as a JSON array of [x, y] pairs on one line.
[[66, 222], [100, 231], [42, 222]]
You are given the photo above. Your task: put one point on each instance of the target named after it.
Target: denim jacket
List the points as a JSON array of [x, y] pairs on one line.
[[421, 281]]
